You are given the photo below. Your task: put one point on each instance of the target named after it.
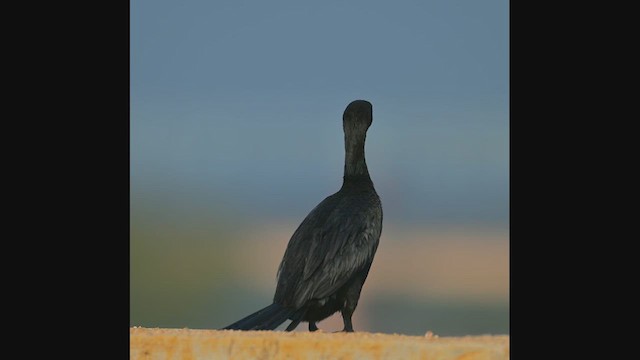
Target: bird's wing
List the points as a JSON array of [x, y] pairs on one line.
[[350, 250], [332, 244]]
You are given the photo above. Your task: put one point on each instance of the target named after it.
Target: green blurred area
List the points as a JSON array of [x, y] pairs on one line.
[[178, 269]]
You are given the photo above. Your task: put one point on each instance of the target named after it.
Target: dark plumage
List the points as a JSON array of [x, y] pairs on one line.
[[329, 256]]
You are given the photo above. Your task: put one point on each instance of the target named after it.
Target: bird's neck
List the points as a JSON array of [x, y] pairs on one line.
[[355, 166]]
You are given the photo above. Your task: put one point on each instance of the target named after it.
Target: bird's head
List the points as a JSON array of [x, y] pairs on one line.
[[357, 116]]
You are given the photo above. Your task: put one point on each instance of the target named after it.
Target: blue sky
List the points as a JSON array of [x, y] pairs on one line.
[[237, 104]]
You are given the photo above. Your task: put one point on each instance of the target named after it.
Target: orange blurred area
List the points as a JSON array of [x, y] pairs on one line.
[[420, 262]]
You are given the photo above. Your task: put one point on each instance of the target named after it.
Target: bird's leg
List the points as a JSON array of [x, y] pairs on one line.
[[346, 317], [351, 300], [312, 326]]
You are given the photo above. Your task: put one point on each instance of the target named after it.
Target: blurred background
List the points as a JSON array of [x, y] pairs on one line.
[[236, 134]]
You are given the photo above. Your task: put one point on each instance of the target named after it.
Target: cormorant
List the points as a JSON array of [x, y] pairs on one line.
[[329, 256]]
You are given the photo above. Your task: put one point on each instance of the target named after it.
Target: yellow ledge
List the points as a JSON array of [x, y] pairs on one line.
[[148, 343]]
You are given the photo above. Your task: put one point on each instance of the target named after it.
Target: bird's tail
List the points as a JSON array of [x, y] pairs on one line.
[[267, 318]]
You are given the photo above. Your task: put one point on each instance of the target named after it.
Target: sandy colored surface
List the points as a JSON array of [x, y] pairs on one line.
[[148, 343]]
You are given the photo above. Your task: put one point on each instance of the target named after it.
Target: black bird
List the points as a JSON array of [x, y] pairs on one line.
[[329, 256]]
